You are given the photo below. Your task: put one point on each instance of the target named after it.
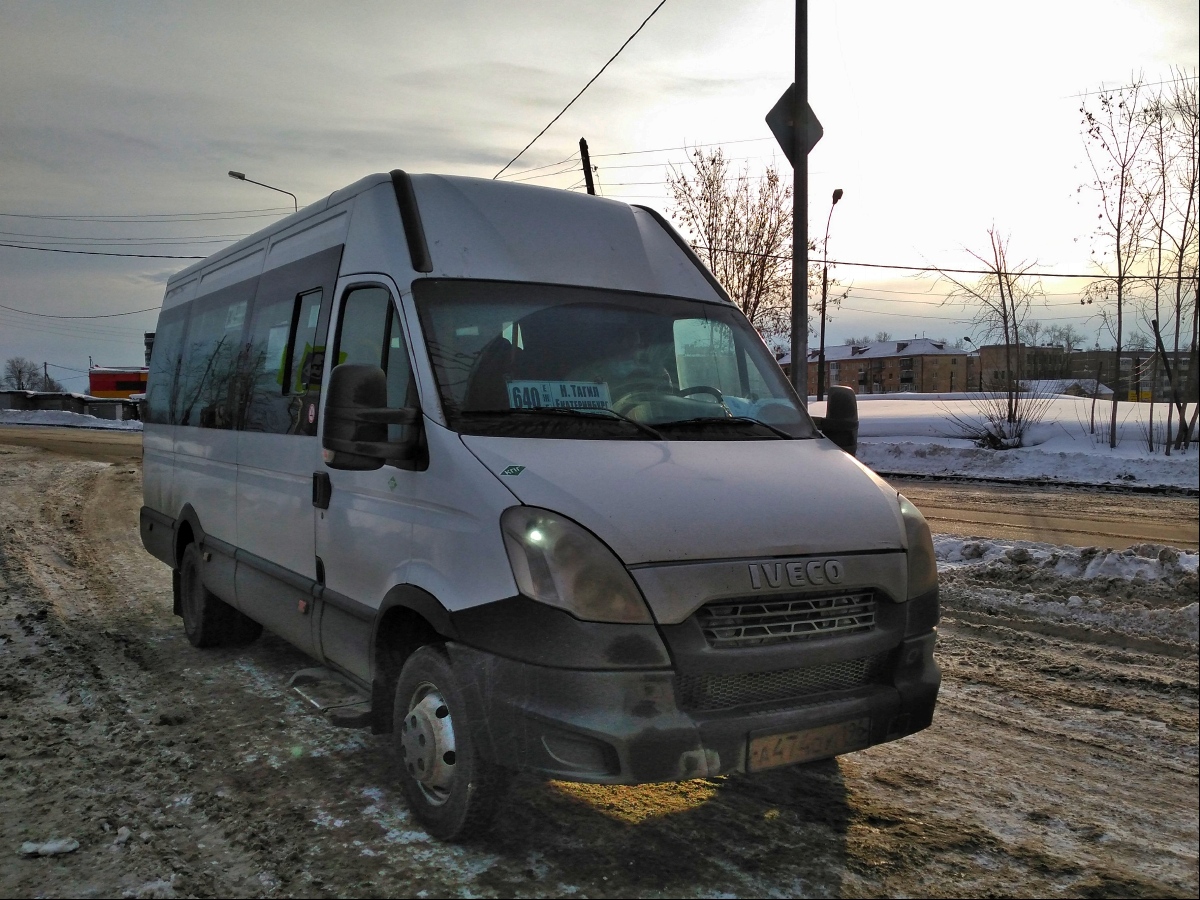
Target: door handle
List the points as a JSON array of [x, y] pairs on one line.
[[322, 490]]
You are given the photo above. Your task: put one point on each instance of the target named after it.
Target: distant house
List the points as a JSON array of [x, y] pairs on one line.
[[1136, 375], [916, 365], [1072, 387]]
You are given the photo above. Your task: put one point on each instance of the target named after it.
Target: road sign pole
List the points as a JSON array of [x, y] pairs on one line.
[[800, 210]]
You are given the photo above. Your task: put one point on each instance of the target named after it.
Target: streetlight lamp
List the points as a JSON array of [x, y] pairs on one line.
[[241, 176], [837, 195], [976, 346]]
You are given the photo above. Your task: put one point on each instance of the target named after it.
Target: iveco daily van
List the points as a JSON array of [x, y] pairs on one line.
[[509, 461]]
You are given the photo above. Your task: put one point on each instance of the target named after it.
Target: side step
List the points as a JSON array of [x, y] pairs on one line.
[[334, 696]]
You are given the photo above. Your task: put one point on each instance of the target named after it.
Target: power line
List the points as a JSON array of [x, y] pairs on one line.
[[572, 158], [105, 239], [133, 217], [930, 269], [684, 147], [585, 87], [570, 168], [903, 315], [100, 253], [1127, 87], [132, 312]]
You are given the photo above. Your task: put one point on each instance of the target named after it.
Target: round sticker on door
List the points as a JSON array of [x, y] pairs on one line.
[[312, 413]]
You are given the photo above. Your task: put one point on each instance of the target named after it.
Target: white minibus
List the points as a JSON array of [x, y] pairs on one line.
[[508, 461]]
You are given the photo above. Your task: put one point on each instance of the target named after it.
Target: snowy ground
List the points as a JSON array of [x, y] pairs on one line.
[[1062, 760], [63, 419], [914, 434], [1134, 592]]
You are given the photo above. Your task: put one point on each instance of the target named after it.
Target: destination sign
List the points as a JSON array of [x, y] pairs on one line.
[[558, 394]]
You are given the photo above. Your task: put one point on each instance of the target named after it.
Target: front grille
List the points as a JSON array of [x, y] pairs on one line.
[[754, 622], [781, 687]]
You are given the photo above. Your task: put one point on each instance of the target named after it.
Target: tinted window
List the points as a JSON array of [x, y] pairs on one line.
[[164, 364], [268, 407], [210, 392]]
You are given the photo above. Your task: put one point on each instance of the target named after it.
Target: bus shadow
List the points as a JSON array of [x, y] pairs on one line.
[[777, 831]]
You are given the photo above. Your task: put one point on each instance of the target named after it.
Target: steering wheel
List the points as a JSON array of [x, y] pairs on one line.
[[702, 389], [638, 391]]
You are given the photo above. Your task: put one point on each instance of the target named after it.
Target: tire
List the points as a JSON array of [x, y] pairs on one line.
[[240, 630], [450, 787], [208, 621]]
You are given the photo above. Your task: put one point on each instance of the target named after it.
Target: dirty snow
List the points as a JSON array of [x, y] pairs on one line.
[[1148, 590]]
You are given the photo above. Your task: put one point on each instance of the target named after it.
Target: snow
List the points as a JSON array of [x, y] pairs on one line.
[[1146, 590], [1148, 562], [913, 434], [69, 419]]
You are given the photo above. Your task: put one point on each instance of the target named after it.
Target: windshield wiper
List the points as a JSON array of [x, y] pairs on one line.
[[727, 420], [568, 411]]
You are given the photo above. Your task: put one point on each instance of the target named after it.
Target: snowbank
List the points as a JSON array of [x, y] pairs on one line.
[[69, 419], [1148, 590], [912, 434]]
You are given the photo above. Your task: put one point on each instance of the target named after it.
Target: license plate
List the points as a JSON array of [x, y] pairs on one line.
[[771, 750]]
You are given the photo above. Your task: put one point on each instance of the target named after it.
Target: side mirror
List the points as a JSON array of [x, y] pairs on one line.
[[840, 424], [356, 420]]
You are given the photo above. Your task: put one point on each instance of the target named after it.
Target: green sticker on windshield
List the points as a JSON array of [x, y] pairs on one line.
[[513, 470]]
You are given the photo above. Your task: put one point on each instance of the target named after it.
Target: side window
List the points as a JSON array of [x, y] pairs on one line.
[[164, 366], [269, 406], [279, 359], [304, 355], [208, 391], [371, 334]]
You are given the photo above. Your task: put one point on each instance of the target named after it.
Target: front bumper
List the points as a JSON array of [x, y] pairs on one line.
[[628, 727]]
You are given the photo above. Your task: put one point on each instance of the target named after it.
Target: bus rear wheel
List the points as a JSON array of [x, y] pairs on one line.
[[208, 621]]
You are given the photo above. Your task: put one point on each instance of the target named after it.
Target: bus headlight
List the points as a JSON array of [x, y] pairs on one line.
[[922, 564], [560, 563]]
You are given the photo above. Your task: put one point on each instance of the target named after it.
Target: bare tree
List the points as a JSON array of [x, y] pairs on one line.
[[1115, 135], [1178, 115], [741, 228], [1066, 336], [1031, 332], [21, 374], [999, 303]]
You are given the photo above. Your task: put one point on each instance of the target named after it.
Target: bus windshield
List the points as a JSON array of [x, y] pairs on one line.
[[560, 361]]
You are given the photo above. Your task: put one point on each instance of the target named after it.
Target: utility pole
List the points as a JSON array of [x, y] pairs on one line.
[[587, 166], [45, 377], [800, 210]]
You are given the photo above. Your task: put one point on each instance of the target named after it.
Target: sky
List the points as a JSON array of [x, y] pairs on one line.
[[941, 119]]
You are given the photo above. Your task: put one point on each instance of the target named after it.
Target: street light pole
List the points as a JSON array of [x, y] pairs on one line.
[[241, 176], [837, 195], [965, 378]]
